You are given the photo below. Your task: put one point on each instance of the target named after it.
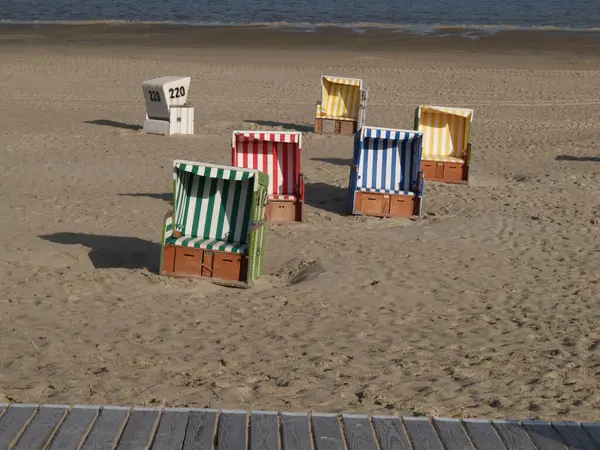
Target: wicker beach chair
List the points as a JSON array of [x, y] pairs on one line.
[[385, 178], [279, 156], [342, 107], [446, 142], [217, 227]]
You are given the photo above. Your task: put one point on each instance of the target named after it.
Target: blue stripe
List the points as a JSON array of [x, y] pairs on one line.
[[364, 163], [413, 167], [384, 162], [403, 150], [394, 162]]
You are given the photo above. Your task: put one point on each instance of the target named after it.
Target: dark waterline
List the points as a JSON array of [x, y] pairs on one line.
[[357, 14]]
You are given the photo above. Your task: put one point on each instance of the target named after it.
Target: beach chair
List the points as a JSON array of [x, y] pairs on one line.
[[217, 227], [446, 142], [342, 107], [167, 109], [278, 154], [385, 177]]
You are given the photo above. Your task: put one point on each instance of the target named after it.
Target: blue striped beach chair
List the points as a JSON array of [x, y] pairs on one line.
[[217, 227], [385, 178]]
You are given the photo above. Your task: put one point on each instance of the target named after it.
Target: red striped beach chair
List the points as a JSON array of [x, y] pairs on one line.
[[278, 154]]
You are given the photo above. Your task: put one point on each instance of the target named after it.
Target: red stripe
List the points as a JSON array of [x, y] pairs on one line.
[[284, 168], [299, 189], [275, 170], [294, 170], [251, 149], [245, 153], [265, 157]]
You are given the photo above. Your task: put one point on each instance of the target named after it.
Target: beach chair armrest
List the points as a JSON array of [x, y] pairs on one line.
[[468, 154]]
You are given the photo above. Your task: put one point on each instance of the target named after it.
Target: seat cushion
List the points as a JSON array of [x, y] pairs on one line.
[[385, 191], [208, 244], [281, 197], [439, 158]]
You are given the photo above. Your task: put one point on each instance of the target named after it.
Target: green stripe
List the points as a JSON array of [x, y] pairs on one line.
[[235, 209], [221, 231], [185, 199], [210, 209], [197, 192]]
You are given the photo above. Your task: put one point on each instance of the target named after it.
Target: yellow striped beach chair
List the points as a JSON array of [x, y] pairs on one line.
[[446, 142], [217, 227], [342, 107]]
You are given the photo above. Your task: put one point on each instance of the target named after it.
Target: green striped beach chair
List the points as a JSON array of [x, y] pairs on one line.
[[217, 226]]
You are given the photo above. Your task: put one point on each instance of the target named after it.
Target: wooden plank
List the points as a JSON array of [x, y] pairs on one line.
[[327, 433], [483, 434], [140, 429], [295, 432], [359, 432], [171, 430], [593, 429], [107, 428], [201, 429], [422, 434], [264, 426], [233, 430], [514, 435], [452, 434], [13, 421], [41, 427], [390, 433], [575, 436], [543, 435], [73, 428]]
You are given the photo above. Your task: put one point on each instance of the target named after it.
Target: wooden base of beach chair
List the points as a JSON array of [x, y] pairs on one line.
[[330, 126], [445, 172], [220, 267], [285, 211], [386, 205]]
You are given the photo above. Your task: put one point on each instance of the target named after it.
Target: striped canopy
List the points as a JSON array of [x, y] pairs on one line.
[[446, 132], [276, 154], [340, 98], [213, 202], [387, 160]]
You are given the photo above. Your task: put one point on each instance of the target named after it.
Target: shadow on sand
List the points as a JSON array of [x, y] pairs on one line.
[[168, 197], [108, 252], [286, 126], [578, 158], [326, 197], [335, 161], [112, 123]]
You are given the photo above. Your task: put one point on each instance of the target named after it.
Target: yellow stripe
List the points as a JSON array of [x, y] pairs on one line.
[[340, 98], [445, 131]]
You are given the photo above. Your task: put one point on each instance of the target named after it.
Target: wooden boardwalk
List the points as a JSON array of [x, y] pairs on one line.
[[54, 427]]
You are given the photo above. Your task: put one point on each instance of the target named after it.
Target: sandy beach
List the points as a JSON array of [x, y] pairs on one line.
[[487, 306]]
